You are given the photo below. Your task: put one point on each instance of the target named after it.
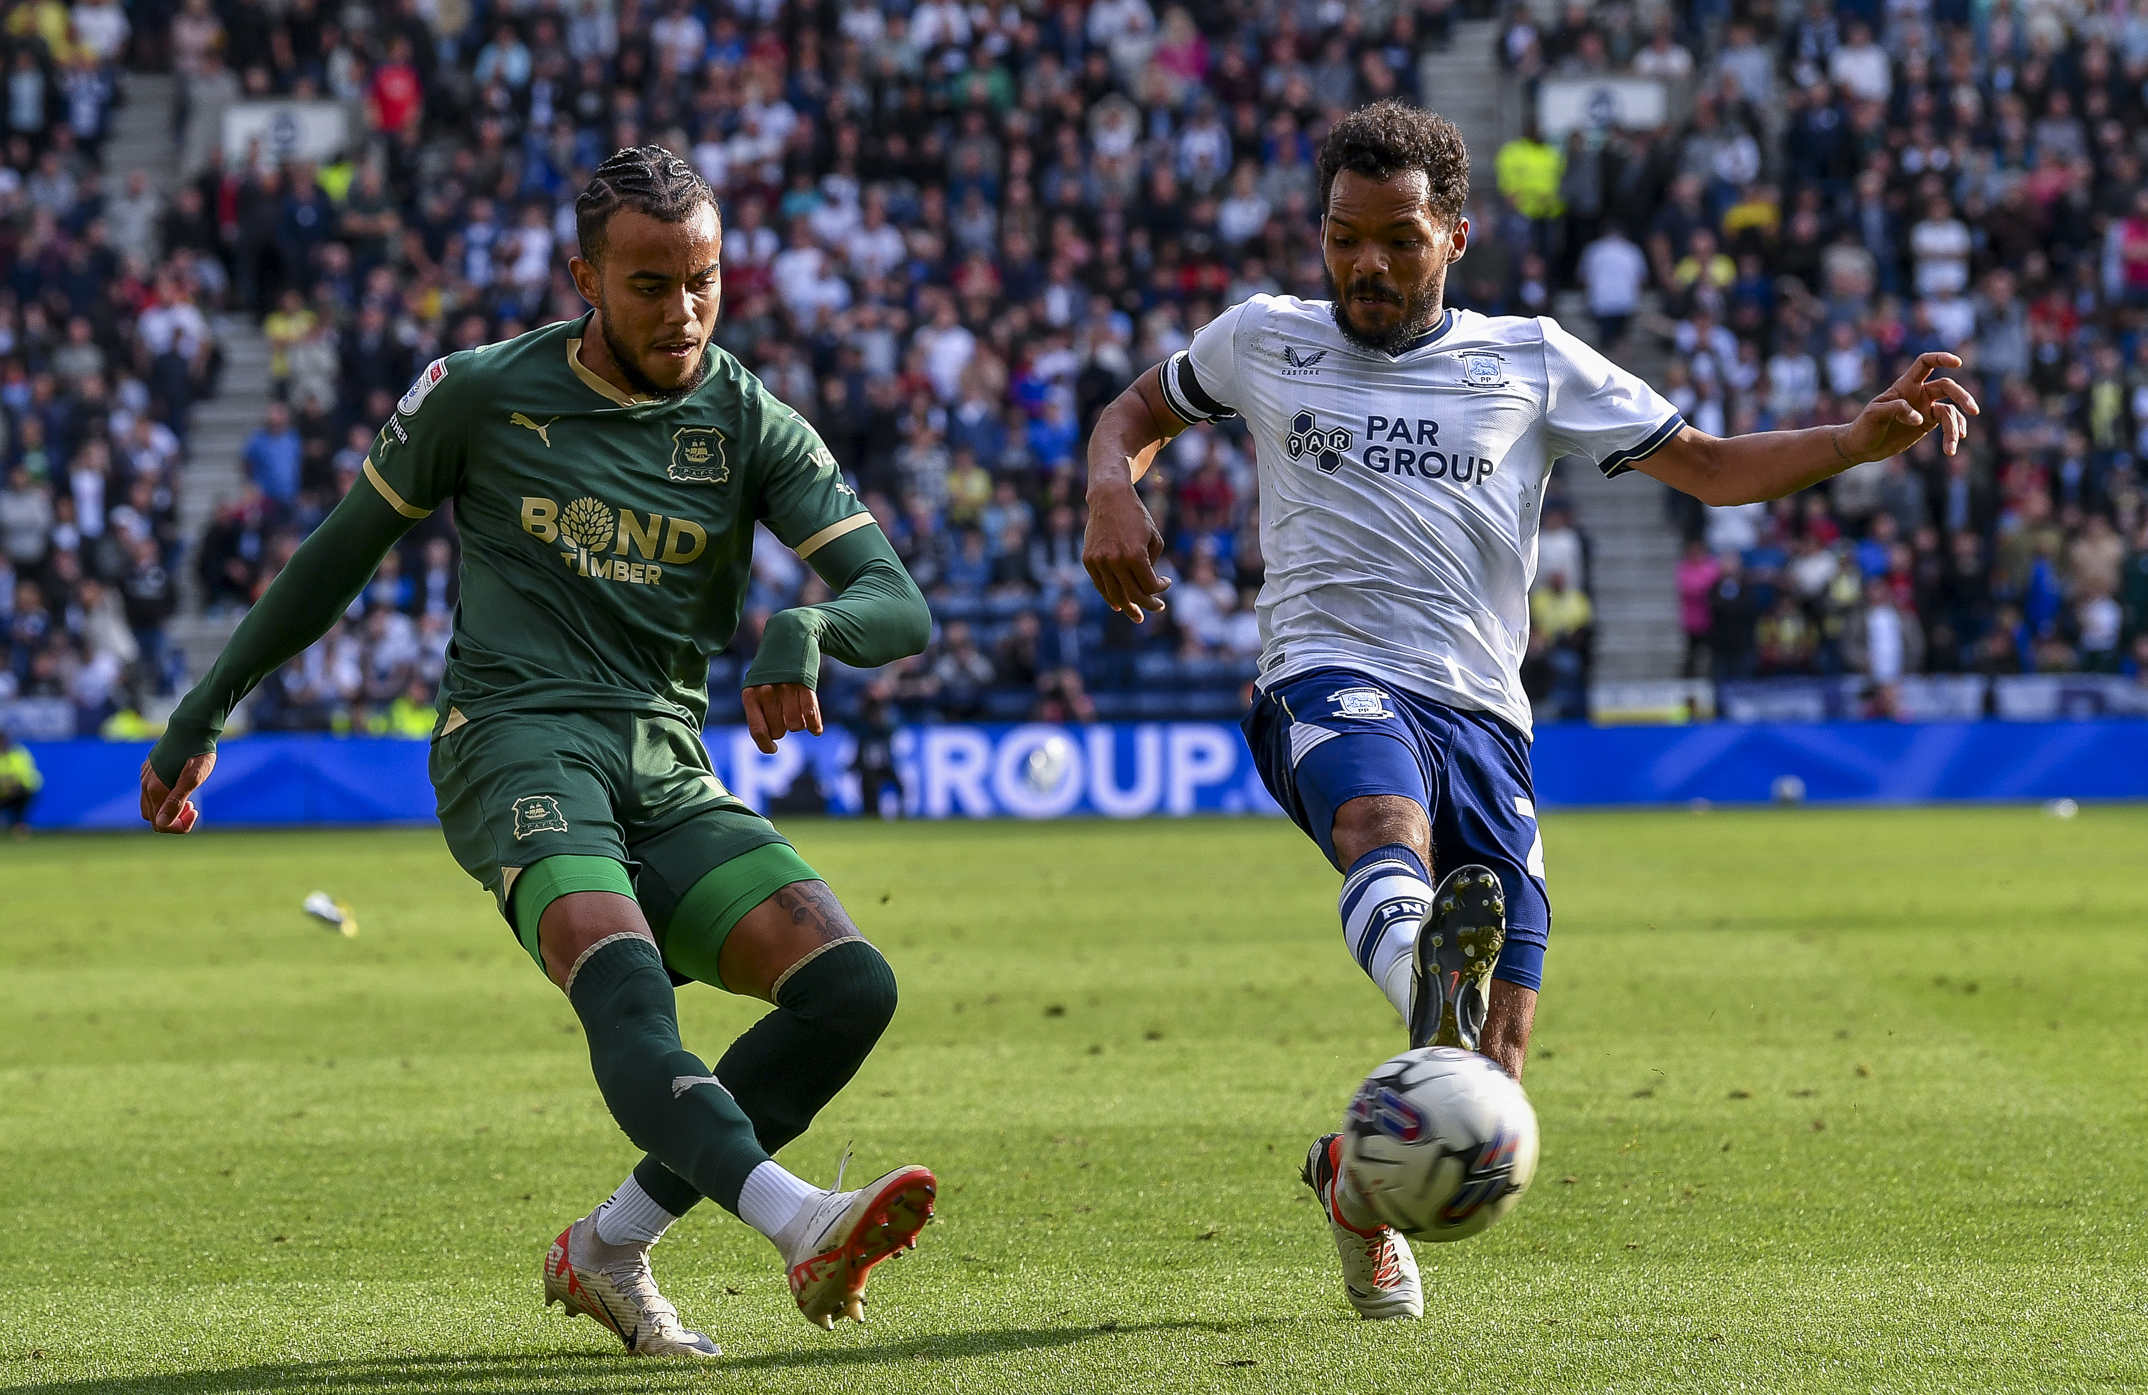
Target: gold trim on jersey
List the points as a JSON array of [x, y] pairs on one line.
[[830, 533], [387, 491], [595, 383]]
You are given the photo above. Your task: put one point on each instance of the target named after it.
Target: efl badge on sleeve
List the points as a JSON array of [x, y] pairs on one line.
[[423, 387]]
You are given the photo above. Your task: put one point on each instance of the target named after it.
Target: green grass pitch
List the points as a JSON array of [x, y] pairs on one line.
[[1830, 1101]]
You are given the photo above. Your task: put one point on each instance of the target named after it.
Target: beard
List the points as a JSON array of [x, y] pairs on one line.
[[1419, 313], [630, 367]]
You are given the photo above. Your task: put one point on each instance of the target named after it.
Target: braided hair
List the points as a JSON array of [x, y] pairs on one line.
[[648, 179]]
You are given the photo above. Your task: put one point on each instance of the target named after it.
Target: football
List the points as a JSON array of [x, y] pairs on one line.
[[1441, 1142]]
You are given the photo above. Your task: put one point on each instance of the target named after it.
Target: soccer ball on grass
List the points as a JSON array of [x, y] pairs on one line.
[[1441, 1142]]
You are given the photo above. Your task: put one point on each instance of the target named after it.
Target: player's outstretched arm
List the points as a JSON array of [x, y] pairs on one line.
[[1122, 544], [877, 616], [1770, 464], [324, 576]]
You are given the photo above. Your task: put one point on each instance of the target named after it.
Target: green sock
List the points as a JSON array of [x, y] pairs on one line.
[[789, 1064], [662, 1095]]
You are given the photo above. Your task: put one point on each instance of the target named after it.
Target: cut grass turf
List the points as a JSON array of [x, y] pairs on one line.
[[1829, 1101]]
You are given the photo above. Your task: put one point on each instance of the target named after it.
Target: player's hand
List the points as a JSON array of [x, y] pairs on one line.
[[1120, 550], [774, 710], [1907, 412], [168, 810]]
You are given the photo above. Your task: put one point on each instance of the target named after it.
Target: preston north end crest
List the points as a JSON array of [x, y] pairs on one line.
[[1484, 370], [1360, 702], [697, 456]]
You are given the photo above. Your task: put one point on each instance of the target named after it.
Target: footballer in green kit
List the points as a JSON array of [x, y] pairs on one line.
[[607, 475]]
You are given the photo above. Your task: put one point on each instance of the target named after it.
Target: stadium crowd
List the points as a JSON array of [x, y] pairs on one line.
[[1854, 185], [103, 347], [954, 231]]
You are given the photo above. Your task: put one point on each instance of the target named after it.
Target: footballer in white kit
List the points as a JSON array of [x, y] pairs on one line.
[[1403, 449]]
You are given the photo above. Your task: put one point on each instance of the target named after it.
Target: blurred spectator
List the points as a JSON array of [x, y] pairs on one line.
[[26, 521], [1560, 618], [1664, 57], [272, 456], [879, 778], [1204, 602], [1884, 641], [1698, 573], [1614, 272], [960, 670], [1560, 550], [1529, 173], [1785, 639], [1733, 607], [1559, 609], [19, 783]]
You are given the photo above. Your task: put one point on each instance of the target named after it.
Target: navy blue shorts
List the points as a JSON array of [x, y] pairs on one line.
[[1331, 736]]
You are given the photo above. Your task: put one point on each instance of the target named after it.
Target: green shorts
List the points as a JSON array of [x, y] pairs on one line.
[[515, 788]]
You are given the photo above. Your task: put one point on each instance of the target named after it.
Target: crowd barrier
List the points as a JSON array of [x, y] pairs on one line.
[[1130, 770]]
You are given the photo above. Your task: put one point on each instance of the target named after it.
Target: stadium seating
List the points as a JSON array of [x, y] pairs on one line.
[[954, 233]]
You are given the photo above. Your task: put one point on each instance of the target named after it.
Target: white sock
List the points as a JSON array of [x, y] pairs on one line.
[[1383, 904], [772, 1198], [632, 1217]]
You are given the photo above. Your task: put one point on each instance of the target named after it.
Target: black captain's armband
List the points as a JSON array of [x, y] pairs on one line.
[[1184, 394]]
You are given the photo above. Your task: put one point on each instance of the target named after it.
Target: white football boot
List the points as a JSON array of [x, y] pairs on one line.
[[613, 1285], [1379, 1272], [848, 1233]]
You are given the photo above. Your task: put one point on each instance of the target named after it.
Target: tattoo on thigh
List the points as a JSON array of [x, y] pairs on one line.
[[814, 907]]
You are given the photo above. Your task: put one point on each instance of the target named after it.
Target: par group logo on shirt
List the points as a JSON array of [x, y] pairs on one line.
[[1326, 447], [697, 456]]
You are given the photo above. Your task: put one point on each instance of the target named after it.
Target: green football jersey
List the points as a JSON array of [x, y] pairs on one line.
[[607, 539]]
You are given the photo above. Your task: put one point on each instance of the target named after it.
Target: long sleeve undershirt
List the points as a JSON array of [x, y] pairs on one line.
[[877, 616]]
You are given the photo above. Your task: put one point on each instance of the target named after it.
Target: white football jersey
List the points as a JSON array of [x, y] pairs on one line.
[[1399, 493]]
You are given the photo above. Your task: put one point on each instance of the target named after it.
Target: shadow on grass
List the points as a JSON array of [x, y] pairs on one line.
[[575, 1370]]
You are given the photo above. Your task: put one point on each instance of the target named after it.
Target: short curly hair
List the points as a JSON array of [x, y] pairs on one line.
[[1386, 138]]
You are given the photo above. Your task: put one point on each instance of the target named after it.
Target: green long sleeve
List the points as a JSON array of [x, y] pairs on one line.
[[877, 616], [324, 576]]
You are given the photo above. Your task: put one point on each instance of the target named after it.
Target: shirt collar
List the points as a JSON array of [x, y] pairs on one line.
[[1446, 322], [590, 379]]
